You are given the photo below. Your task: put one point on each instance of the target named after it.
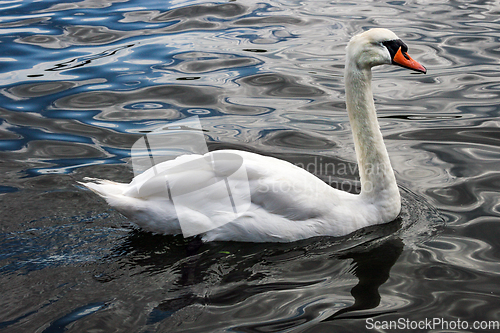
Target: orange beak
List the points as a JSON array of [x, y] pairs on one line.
[[403, 59]]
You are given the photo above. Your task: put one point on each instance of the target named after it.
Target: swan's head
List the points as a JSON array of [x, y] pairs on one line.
[[378, 47]]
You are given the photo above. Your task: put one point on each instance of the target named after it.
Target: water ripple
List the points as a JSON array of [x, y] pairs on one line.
[[81, 81]]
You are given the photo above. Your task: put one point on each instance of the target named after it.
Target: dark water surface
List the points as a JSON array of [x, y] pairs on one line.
[[81, 81]]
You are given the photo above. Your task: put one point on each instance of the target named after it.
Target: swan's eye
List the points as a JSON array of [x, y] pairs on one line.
[[394, 45]]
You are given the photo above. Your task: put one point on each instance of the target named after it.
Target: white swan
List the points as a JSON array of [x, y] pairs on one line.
[[285, 203]]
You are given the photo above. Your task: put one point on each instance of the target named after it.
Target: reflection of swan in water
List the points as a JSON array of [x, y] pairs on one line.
[[372, 270], [287, 202], [370, 266]]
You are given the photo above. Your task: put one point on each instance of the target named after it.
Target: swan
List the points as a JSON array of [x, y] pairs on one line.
[[284, 203]]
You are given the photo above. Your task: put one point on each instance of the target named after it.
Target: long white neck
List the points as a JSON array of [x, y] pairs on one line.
[[378, 183]]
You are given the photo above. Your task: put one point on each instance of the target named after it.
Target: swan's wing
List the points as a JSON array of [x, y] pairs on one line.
[[287, 203], [282, 188]]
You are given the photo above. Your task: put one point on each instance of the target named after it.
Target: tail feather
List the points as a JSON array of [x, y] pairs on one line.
[[104, 188], [156, 214]]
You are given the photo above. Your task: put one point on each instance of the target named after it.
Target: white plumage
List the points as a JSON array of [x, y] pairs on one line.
[[280, 202]]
